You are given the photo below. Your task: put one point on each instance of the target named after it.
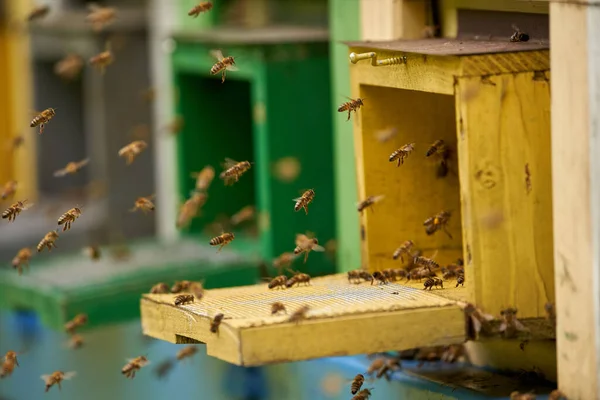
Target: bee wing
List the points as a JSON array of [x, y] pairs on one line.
[[144, 363], [520, 326], [69, 375], [124, 150], [296, 199], [232, 68], [301, 239], [60, 172], [317, 247], [218, 54], [487, 317], [45, 377], [83, 163], [476, 324], [228, 163], [27, 206], [377, 199]]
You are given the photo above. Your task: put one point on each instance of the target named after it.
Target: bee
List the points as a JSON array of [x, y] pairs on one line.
[[521, 396], [550, 312], [368, 202], [479, 320], [222, 65], [363, 395], [200, 8], [384, 135], [438, 147], [42, 119], [304, 200], [511, 325], [78, 321], [357, 275], [190, 209], [518, 36], [175, 126], [186, 352], [233, 170], [69, 67], [69, 217], [100, 17], [180, 286], [103, 59], [76, 341], [298, 278], [56, 378], [22, 259], [380, 277], [460, 280], [245, 214], [204, 178], [132, 150], [216, 322], [392, 364], [351, 105], [420, 273], [557, 395], [163, 369], [93, 252], [183, 299], [305, 245], [394, 274], [284, 260], [72, 168], [159, 288], [425, 262], [278, 282], [222, 240], [376, 365], [15, 209], [197, 288], [405, 248], [357, 383], [133, 365], [277, 307], [299, 314], [144, 203], [8, 364], [437, 222], [48, 241], [433, 282], [38, 12], [402, 153]]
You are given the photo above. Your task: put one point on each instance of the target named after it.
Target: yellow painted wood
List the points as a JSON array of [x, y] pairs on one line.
[[344, 319]]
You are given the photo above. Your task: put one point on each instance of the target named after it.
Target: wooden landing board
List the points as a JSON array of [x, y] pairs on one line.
[[344, 319]]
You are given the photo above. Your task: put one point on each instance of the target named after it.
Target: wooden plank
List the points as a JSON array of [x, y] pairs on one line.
[[575, 168], [392, 19], [343, 319]]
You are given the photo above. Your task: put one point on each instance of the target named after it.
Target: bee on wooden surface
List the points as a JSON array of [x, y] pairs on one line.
[[93, 252], [159, 288], [299, 314], [180, 286], [380, 277], [103, 59], [204, 178], [42, 119], [357, 383], [363, 394], [56, 378], [368, 202], [278, 282], [357, 275], [216, 322], [15, 209], [144, 203], [69, 217], [284, 261], [426, 262], [197, 289], [479, 320], [351, 105], [200, 8], [510, 324], [433, 282], [132, 150], [48, 241], [245, 214], [72, 168], [442, 152], [222, 65], [69, 67], [100, 17], [22, 259], [402, 153], [133, 365], [384, 135], [277, 307], [405, 248], [557, 395], [460, 280], [550, 313], [222, 240], [78, 321], [304, 200], [298, 278], [394, 274], [8, 190], [8, 363], [38, 12], [233, 170], [438, 222], [420, 273], [305, 245], [186, 352], [391, 365], [521, 396], [76, 341], [518, 36], [183, 299], [190, 209]]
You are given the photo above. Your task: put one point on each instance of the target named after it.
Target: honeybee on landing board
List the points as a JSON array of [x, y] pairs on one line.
[[351, 105], [197, 288], [22, 259], [144, 203], [102, 60], [69, 217], [38, 12], [222, 240], [305, 245], [277, 307], [222, 65], [100, 17], [186, 352], [8, 190], [133, 365], [204, 178], [200, 8], [48, 241], [234, 170], [216, 322], [438, 222], [433, 282], [15, 209], [510, 324], [72, 168], [183, 299], [278, 282], [368, 202], [42, 119], [303, 201], [56, 378], [69, 67], [518, 36], [402, 153], [298, 278], [299, 314], [132, 150]]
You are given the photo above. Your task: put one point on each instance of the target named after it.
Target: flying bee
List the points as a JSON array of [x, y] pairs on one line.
[[518, 36], [438, 222], [132, 150], [200, 8], [405, 248], [164, 368], [425, 262], [48, 241], [216, 322], [38, 12], [56, 378], [204, 178], [76, 341], [460, 280], [78, 321], [234, 170], [510, 324], [72, 168], [42, 119], [160, 288], [284, 261], [278, 282], [277, 307], [100, 17], [357, 383], [368, 202], [384, 135], [103, 59], [180, 286], [305, 245], [183, 299], [376, 365], [363, 395], [8, 363], [433, 282], [351, 105], [245, 214], [197, 289], [391, 365], [15, 209], [22, 259], [144, 203], [69, 217], [442, 151], [479, 320], [190, 209], [186, 352], [304, 200], [69, 67], [222, 65], [298, 278], [222, 240], [93, 252], [402, 153], [133, 365], [299, 314]]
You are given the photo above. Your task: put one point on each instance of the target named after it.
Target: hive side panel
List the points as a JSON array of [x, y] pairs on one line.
[[506, 191]]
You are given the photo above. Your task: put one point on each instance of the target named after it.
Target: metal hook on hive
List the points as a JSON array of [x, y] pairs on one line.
[[354, 58]]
